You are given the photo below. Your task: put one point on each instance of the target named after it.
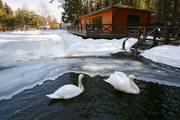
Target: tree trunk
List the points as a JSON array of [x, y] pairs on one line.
[[158, 8], [163, 13], [109, 3], [175, 11], [148, 4], [88, 6]]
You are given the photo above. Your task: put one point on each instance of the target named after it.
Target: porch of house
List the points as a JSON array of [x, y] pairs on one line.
[[168, 34]]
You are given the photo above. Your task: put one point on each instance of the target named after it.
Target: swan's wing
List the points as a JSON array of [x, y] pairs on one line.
[[68, 91], [124, 85], [114, 80], [120, 74]]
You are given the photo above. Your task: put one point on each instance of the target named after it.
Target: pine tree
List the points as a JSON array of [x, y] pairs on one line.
[[72, 9], [2, 6], [23, 17], [34, 19], [8, 10]]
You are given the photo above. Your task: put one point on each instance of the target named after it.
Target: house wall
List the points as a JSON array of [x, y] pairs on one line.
[[122, 15], [106, 17], [119, 18]]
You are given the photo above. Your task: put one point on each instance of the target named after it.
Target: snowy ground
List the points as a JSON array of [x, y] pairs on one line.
[[29, 58]]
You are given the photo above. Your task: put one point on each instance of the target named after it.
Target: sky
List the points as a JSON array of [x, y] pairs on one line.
[[34, 4], [28, 58]]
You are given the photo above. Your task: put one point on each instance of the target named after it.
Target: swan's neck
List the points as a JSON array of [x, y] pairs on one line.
[[134, 86], [80, 83]]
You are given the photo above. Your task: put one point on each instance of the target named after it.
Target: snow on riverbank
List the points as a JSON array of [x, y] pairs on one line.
[[29, 58], [166, 54], [29, 45]]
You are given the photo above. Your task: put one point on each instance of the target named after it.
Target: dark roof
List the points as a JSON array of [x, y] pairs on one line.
[[120, 6], [117, 6]]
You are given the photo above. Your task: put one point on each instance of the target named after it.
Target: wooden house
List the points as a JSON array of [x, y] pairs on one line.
[[117, 14]]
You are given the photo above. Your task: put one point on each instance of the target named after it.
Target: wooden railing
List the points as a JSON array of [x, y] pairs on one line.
[[154, 31], [137, 31], [169, 33], [105, 29], [77, 28]]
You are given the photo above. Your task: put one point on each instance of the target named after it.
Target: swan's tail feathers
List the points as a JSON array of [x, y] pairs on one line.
[[106, 80], [53, 96]]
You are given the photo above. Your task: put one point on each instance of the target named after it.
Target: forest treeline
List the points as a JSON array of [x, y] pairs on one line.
[[23, 18], [166, 10]]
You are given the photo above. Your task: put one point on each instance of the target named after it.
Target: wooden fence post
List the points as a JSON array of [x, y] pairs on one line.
[[126, 30], [114, 28], [135, 51], [167, 34], [98, 29], [81, 28], [86, 29], [139, 34], [144, 31], [154, 38]]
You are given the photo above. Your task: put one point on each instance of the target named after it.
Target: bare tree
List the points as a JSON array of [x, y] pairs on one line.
[[44, 12]]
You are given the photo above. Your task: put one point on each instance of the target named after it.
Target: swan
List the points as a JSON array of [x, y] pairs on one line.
[[68, 91], [121, 82]]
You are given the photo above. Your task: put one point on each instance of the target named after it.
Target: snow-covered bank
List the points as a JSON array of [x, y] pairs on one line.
[[29, 58], [29, 45], [166, 54]]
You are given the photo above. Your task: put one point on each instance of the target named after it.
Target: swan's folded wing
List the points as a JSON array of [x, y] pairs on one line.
[[114, 80], [70, 90]]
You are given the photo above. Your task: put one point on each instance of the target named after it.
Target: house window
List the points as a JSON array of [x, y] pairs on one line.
[[97, 20], [133, 19], [88, 21], [98, 23]]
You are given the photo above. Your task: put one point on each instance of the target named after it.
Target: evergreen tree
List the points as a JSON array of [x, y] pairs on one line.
[[2, 6], [23, 19], [8, 10], [6, 17], [166, 10], [72, 10], [34, 19]]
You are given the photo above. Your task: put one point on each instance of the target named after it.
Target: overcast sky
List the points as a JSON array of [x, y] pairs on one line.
[[34, 4]]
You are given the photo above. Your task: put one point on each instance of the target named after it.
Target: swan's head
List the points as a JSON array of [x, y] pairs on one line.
[[81, 76], [132, 77]]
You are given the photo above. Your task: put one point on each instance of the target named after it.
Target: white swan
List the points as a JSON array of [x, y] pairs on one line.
[[68, 91], [120, 82]]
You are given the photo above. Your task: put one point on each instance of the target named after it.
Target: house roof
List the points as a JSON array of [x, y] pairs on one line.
[[117, 6]]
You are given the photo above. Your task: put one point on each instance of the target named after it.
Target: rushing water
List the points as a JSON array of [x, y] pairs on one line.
[[99, 99]]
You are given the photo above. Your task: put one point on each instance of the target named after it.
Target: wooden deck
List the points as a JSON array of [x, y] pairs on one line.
[[111, 31], [99, 36]]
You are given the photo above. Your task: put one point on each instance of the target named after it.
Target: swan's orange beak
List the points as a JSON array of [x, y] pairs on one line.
[[135, 81]]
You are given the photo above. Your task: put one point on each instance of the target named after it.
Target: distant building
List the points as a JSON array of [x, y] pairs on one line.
[[47, 27], [64, 25]]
